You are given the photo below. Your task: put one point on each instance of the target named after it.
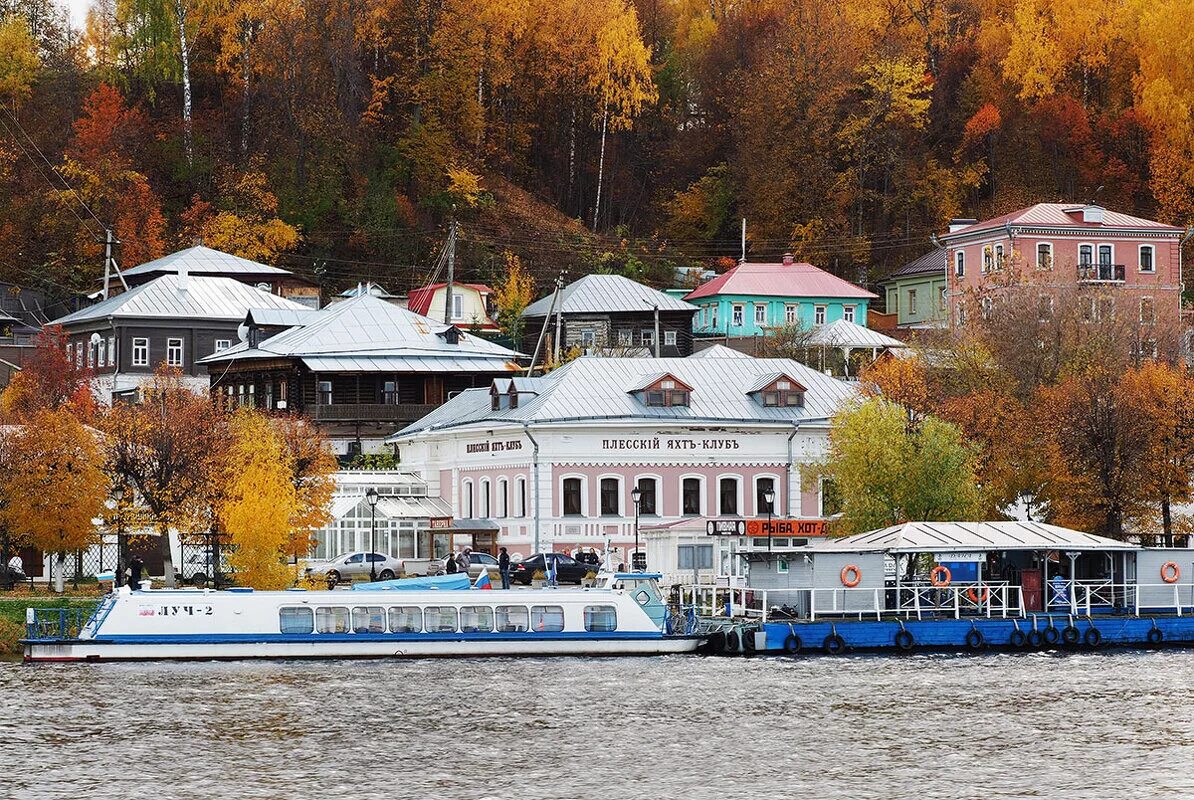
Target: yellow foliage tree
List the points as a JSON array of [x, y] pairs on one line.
[[259, 501], [513, 294], [18, 59], [244, 221], [312, 465], [55, 486]]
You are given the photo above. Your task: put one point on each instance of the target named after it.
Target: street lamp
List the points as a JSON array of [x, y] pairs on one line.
[[769, 499], [118, 496], [636, 495], [371, 496]]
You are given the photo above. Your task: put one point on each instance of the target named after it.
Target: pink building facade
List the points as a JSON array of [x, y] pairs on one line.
[[559, 470], [1115, 260]]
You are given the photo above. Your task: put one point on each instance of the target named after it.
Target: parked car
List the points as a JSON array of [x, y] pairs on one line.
[[198, 566], [422, 566], [476, 563], [356, 565], [568, 569]]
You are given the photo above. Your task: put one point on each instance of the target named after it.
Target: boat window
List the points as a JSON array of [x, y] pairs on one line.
[[406, 619], [476, 619], [511, 618], [440, 619], [601, 618], [547, 619], [296, 620], [368, 619], [331, 619]]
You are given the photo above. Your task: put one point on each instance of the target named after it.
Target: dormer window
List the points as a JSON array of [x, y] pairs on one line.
[[451, 334], [665, 392], [779, 391]]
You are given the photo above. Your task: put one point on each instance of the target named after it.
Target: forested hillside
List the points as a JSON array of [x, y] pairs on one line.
[[335, 137]]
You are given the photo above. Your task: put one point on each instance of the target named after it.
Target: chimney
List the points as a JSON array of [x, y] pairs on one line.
[[183, 278], [956, 225], [789, 259]]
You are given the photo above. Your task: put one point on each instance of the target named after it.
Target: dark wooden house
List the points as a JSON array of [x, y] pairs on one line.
[[362, 368], [611, 315]]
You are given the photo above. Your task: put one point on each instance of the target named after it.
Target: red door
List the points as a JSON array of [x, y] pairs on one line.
[[1030, 583]]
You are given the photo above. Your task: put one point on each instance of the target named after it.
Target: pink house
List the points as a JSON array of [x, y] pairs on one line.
[[1130, 263]]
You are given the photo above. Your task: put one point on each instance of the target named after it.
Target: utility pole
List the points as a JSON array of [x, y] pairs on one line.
[[559, 312], [451, 268], [742, 260], [658, 344], [110, 264]]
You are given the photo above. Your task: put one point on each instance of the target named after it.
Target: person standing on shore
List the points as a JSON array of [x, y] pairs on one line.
[[450, 565], [504, 567], [135, 567]]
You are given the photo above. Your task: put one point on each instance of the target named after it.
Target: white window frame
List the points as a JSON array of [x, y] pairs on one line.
[[1152, 249], [988, 264], [760, 313], [713, 315], [467, 498], [101, 358], [520, 487], [1098, 249], [584, 495], [457, 306], [741, 501], [140, 352], [621, 509], [669, 338], [960, 264], [737, 315], [1093, 253], [1000, 255], [112, 352], [503, 498], [911, 301], [222, 345], [171, 347], [791, 313], [485, 495], [848, 313], [820, 314], [1039, 245], [658, 493], [703, 504], [778, 503]]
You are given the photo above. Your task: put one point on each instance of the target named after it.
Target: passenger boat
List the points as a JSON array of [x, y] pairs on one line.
[[623, 615]]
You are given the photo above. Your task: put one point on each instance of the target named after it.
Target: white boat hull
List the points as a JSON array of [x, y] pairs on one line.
[[84, 650]]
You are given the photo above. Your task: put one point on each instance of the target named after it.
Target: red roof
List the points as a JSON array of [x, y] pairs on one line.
[[1064, 215], [420, 299], [779, 280]]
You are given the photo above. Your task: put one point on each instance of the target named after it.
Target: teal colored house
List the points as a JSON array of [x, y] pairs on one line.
[[752, 299], [915, 292]]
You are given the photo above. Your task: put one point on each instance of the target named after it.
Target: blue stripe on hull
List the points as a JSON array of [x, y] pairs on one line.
[[232, 638]]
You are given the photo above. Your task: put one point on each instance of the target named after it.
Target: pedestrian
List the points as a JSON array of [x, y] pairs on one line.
[[450, 566], [135, 568], [504, 567], [462, 560]]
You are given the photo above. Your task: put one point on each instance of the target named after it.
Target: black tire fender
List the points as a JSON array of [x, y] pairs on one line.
[[975, 639], [1070, 635], [904, 639], [834, 644], [792, 644], [1017, 639], [1092, 637]]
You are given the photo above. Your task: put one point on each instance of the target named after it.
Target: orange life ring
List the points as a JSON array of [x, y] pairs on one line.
[[976, 597], [1170, 572], [855, 576], [940, 576]]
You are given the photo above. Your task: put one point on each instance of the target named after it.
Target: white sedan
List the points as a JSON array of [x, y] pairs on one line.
[[357, 565]]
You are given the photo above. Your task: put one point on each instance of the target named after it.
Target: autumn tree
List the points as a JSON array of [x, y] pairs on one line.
[[312, 463], [258, 501], [167, 450], [19, 60], [49, 380], [243, 220], [887, 470], [55, 486], [513, 293]]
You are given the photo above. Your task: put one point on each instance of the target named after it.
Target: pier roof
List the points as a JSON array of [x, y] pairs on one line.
[[924, 537]]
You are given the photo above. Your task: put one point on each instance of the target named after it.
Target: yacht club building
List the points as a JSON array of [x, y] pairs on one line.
[[555, 461]]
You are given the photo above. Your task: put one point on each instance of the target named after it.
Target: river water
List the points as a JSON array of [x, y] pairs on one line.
[[1107, 725]]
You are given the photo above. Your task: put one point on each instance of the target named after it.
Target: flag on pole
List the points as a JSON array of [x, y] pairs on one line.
[[483, 580]]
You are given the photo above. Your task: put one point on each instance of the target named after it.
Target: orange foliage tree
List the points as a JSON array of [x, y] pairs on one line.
[[55, 485], [49, 380], [312, 464], [168, 450]]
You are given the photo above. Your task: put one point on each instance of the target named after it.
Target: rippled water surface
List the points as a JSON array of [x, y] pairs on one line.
[[1113, 725]]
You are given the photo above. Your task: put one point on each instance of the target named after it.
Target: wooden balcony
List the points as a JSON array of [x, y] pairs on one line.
[[371, 412], [1102, 273]]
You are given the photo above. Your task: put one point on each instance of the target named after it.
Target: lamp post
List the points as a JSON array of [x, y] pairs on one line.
[[118, 496], [636, 495], [371, 496], [769, 499]]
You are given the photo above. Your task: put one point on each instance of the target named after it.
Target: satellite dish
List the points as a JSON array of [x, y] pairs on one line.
[[242, 332]]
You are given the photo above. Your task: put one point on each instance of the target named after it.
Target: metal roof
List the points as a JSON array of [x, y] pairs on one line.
[[367, 334], [280, 317], [200, 260], [720, 351], [592, 388], [932, 262], [599, 294], [841, 333], [779, 280], [1063, 215], [923, 537], [174, 297]]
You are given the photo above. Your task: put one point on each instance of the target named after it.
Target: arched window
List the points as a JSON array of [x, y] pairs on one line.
[[521, 497], [647, 504], [728, 497], [486, 507], [503, 499], [466, 500], [762, 487], [572, 497], [610, 505], [691, 497]]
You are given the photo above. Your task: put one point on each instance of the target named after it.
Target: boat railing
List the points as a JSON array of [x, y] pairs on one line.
[[55, 624], [710, 600], [1086, 597], [981, 598]]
